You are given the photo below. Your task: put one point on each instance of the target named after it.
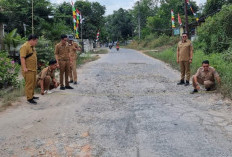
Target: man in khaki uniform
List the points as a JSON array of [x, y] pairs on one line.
[[28, 59], [184, 58], [73, 47], [46, 79], [63, 59], [206, 76]]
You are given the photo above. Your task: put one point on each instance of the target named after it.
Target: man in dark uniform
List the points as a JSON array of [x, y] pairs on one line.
[[28, 59], [63, 59], [46, 79]]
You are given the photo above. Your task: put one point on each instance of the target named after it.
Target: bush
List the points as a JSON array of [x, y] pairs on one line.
[[153, 41], [216, 32], [8, 71], [45, 52]]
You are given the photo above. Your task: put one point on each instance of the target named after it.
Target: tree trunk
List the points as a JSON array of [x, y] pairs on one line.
[[1, 37]]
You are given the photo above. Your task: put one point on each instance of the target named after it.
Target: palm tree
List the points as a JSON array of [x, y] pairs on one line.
[[12, 39]]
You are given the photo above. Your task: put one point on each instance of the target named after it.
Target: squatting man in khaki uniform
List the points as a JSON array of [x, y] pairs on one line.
[[28, 57], [73, 48], [63, 58], [46, 78], [184, 58], [206, 76]]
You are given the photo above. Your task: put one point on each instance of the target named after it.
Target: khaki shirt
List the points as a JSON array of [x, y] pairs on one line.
[[46, 72], [72, 51], [62, 51], [211, 74], [31, 62], [184, 49]]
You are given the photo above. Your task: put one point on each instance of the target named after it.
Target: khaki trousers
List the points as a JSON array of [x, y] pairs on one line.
[[207, 84], [30, 83], [185, 70], [73, 71], [48, 84], [64, 70]]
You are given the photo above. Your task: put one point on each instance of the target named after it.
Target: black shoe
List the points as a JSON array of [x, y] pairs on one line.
[[35, 97], [187, 83], [62, 88], [75, 82], [194, 91], [31, 101], [71, 81], [68, 87], [181, 82], [208, 89]]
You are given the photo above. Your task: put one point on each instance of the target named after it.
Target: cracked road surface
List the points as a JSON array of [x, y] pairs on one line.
[[125, 105]]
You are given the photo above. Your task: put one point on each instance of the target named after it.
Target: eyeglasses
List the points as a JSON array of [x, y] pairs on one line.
[[184, 36]]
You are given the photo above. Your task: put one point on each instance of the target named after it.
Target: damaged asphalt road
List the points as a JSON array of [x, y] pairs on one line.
[[125, 105]]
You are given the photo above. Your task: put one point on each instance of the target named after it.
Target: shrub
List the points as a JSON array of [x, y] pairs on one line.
[[8, 71], [45, 52], [216, 32], [153, 41]]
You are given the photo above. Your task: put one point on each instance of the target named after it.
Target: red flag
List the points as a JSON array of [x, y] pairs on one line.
[[179, 19]]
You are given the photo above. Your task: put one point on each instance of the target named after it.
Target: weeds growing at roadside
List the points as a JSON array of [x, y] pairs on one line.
[[101, 51], [10, 95], [85, 58]]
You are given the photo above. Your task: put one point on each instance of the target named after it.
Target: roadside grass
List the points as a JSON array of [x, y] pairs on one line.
[[153, 43], [216, 60], [101, 51], [85, 58], [10, 95]]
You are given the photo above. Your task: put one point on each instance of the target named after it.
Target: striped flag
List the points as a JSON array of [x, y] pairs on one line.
[[173, 20]]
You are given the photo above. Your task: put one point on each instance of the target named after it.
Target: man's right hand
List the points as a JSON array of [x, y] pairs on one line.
[[25, 70], [198, 87], [57, 65]]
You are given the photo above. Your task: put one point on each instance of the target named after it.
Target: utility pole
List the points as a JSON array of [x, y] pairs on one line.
[[82, 43], [25, 29], [32, 14], [2, 36], [186, 17], [139, 22]]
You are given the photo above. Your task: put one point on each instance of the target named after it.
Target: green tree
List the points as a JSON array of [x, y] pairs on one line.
[[93, 13], [12, 39], [120, 25], [63, 12], [161, 22], [216, 33], [18, 13], [213, 6]]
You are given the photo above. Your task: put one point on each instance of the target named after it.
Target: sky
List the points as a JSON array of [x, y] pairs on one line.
[[112, 5]]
